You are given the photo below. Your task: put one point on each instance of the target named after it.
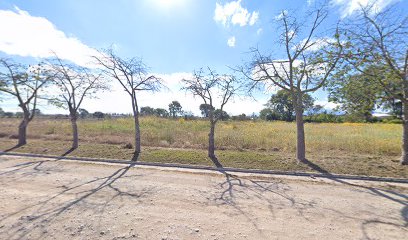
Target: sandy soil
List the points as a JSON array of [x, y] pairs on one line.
[[46, 199]]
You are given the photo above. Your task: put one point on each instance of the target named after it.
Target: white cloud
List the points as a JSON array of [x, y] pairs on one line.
[[315, 44], [348, 7], [291, 34], [233, 13], [326, 104], [281, 15], [254, 18], [26, 35], [231, 41], [259, 31]]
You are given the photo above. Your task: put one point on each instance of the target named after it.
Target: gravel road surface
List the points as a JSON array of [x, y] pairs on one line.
[[49, 199]]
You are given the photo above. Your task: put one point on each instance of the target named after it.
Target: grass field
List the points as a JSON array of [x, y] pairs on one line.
[[351, 148]]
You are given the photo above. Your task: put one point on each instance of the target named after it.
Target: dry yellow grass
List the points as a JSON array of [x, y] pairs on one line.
[[362, 149], [358, 138]]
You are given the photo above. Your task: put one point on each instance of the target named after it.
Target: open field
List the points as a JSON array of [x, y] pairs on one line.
[[233, 135], [349, 148], [48, 199]]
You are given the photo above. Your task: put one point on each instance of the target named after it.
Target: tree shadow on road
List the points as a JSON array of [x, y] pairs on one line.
[[48, 210], [234, 188], [376, 191], [13, 148], [217, 163], [69, 151], [16, 169]]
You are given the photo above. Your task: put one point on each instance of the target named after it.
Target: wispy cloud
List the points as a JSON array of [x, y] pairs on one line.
[[348, 7], [281, 15], [30, 36], [315, 44], [233, 13], [326, 104], [231, 41]]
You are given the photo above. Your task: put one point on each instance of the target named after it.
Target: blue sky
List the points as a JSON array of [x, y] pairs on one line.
[[174, 37]]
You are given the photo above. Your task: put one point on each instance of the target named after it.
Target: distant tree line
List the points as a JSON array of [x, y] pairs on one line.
[[281, 107]]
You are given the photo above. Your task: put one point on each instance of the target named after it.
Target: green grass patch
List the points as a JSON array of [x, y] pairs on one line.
[[340, 162]]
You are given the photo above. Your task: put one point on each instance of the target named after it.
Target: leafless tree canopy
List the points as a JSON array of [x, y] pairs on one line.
[[210, 86], [307, 63], [131, 73], [133, 76], [24, 83], [75, 83]]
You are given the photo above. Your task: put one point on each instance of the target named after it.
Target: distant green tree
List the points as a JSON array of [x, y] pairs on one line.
[[360, 94], [316, 109], [19, 114], [98, 115], [395, 106], [222, 115], [205, 109], [268, 115], [282, 104], [160, 112], [147, 111], [380, 37], [357, 94], [325, 117], [9, 114], [175, 109], [1, 112], [83, 113], [37, 112], [241, 117], [188, 115]]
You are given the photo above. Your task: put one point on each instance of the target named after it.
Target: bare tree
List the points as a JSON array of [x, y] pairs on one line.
[[75, 83], [305, 67], [24, 83], [211, 87], [133, 76], [380, 38]]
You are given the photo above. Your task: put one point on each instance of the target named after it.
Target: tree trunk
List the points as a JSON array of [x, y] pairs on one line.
[[74, 131], [404, 157], [300, 130], [22, 131], [211, 141], [137, 127], [137, 138]]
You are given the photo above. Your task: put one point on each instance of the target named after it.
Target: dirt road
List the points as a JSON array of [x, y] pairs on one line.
[[47, 199]]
